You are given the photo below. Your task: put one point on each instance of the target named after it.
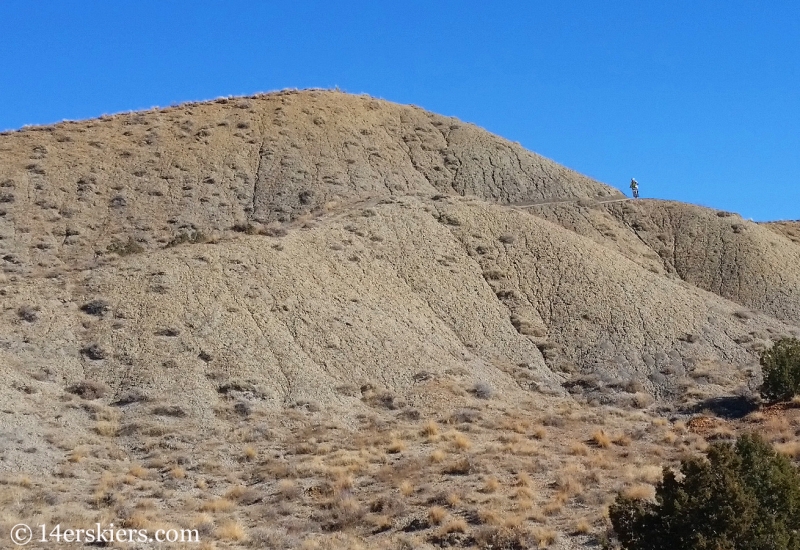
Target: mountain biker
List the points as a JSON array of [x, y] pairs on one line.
[[635, 188]]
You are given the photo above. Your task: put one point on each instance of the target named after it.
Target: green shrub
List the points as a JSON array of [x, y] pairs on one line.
[[781, 367], [743, 496]]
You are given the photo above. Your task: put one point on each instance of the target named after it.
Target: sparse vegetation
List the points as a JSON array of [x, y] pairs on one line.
[[125, 248], [507, 238], [88, 389], [272, 394], [482, 390], [94, 352], [28, 313], [601, 439], [97, 308], [194, 236]]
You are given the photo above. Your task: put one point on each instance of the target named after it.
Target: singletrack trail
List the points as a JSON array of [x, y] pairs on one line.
[[571, 201], [345, 208]]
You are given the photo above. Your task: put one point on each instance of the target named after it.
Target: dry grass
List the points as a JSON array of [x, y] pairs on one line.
[[139, 471], [578, 449], [623, 440], [648, 474], [640, 491], [523, 480], [430, 429], [523, 493], [438, 456], [491, 485], [461, 442], [553, 507], [217, 505], [437, 515], [524, 505], [78, 455], [539, 432], [288, 489], [137, 520], [396, 446], [790, 449], [460, 467], [490, 516], [455, 525], [231, 530], [601, 439], [381, 522], [24, 481], [236, 492], [670, 437], [342, 482], [106, 428], [406, 488], [315, 482], [583, 526], [544, 537]]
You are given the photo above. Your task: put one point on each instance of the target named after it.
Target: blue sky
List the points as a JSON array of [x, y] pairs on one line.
[[700, 101]]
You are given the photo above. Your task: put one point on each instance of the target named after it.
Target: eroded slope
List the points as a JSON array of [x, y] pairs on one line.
[[720, 252], [272, 311], [381, 297], [69, 192]]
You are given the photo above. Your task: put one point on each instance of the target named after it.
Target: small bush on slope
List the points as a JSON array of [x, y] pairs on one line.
[[743, 496], [781, 364]]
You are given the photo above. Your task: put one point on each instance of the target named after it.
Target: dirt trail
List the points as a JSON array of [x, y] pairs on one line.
[[529, 204]]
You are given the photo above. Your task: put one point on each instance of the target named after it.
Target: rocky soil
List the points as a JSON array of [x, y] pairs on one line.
[[173, 273]]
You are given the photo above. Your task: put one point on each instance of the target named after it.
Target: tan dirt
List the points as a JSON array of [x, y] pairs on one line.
[[170, 275]]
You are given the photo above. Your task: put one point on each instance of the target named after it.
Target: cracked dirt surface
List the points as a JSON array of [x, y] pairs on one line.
[[716, 251], [146, 176], [308, 251], [789, 229]]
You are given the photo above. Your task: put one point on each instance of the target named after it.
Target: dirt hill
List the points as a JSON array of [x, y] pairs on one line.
[[317, 253]]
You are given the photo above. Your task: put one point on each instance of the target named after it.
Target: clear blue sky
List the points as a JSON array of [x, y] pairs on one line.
[[699, 100]]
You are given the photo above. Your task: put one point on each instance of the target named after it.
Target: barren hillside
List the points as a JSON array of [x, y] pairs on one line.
[[790, 229], [171, 275]]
